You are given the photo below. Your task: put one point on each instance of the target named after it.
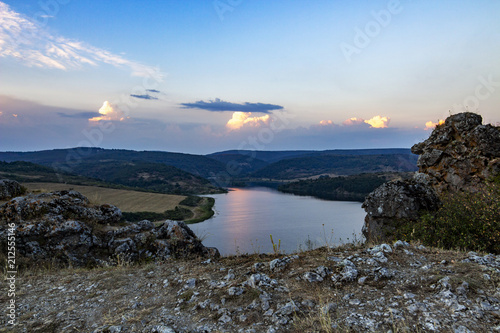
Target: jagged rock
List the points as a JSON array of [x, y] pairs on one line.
[[64, 227], [10, 189], [459, 155], [393, 203], [279, 264]]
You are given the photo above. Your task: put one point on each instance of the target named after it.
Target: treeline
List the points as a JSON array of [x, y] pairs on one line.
[[343, 188]]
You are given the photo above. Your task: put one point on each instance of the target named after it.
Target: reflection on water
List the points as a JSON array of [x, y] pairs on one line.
[[246, 217]]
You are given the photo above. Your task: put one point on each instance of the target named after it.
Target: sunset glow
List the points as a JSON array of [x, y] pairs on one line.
[[431, 125], [109, 113], [378, 122], [241, 119]]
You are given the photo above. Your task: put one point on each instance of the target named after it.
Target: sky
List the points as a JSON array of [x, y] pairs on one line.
[[205, 76]]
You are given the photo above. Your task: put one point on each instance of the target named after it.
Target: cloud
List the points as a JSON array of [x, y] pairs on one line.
[[220, 105], [109, 112], [79, 115], [241, 119], [326, 122], [153, 90], [146, 96], [23, 39], [378, 122], [431, 125], [353, 121]]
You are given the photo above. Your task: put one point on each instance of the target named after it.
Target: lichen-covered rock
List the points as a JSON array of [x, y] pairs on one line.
[[64, 227], [395, 202], [10, 189], [459, 155]]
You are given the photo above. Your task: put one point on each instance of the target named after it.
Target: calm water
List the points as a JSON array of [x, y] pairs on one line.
[[246, 217]]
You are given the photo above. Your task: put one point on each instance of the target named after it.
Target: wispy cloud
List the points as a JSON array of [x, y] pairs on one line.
[[220, 105], [145, 96], [23, 39]]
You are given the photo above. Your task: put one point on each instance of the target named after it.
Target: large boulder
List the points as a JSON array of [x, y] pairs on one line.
[[10, 189], [459, 155], [396, 202], [64, 227]]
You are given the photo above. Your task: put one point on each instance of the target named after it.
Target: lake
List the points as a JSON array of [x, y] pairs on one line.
[[246, 217]]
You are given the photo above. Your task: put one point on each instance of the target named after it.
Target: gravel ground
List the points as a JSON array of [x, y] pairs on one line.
[[386, 288]]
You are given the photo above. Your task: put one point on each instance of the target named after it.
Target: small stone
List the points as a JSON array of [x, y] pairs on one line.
[[162, 329], [328, 308], [191, 283], [288, 308], [225, 319], [269, 313], [236, 291], [401, 243], [312, 277]]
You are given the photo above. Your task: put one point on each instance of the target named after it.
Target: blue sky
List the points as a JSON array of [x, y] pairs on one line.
[[203, 76]]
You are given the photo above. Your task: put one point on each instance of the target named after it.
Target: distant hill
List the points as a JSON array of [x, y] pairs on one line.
[[345, 188], [302, 167], [239, 165], [235, 164], [70, 159], [27, 172], [278, 155], [154, 177]]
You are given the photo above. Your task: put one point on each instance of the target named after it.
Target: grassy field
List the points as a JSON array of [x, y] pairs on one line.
[[126, 200]]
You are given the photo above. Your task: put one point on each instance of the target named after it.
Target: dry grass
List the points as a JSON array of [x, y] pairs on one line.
[[126, 200]]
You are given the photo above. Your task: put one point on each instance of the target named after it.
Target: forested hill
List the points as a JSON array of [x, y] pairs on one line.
[[303, 167], [70, 160], [278, 155], [233, 164], [139, 175]]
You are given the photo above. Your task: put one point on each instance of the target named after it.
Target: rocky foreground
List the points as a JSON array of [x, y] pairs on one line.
[[385, 288]]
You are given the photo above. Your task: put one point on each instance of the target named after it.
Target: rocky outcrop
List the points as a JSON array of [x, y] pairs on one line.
[[459, 155], [386, 288], [10, 189], [64, 227], [394, 202]]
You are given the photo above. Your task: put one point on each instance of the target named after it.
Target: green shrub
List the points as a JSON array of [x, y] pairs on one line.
[[466, 221], [191, 201]]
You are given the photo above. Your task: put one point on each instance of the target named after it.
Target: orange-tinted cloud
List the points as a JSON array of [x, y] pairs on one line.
[[431, 125], [378, 122], [109, 112], [353, 121], [241, 119], [326, 122]]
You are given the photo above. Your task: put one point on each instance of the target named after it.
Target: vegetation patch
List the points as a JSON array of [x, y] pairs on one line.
[[466, 221], [346, 188]]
